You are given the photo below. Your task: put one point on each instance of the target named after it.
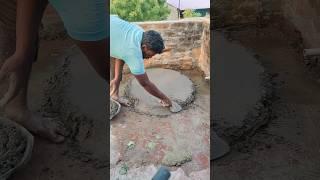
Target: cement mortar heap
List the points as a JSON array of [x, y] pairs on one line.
[[175, 85], [113, 108], [77, 95]]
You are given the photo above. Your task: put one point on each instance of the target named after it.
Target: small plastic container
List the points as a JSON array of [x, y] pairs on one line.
[[27, 152], [162, 174], [118, 110]]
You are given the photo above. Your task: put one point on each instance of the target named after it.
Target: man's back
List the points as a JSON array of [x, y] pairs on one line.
[[125, 43], [123, 35]]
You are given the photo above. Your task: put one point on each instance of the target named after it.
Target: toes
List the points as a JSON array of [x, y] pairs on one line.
[[62, 131], [55, 136], [57, 132], [58, 139]]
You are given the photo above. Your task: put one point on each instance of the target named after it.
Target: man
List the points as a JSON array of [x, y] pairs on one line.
[[130, 44], [86, 23]]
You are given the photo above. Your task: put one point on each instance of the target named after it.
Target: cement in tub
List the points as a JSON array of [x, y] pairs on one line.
[[16, 144], [114, 108]]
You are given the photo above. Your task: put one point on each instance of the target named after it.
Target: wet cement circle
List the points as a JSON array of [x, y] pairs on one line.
[[173, 84], [239, 89]]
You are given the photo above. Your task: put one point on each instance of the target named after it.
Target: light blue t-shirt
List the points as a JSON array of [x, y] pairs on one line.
[[84, 20], [125, 43]]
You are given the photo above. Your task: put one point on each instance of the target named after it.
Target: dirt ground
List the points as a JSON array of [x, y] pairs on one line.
[[288, 146], [51, 161], [141, 140], [155, 137]]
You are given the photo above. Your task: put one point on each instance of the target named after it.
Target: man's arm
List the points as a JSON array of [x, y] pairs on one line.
[[28, 18], [29, 14], [151, 88], [117, 78], [118, 68]]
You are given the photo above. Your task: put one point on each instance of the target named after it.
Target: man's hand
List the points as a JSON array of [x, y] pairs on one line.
[[12, 64], [153, 90], [12, 67], [165, 102]]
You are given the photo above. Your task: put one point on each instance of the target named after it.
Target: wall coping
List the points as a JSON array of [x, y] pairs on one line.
[[196, 19]]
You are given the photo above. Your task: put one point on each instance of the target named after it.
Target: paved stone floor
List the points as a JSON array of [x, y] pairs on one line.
[[182, 139]]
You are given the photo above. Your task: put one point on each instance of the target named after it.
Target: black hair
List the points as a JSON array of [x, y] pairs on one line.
[[153, 40]]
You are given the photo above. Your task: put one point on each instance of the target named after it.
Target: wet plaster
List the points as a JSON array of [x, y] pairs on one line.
[[77, 95], [173, 84], [154, 136], [80, 156], [241, 86]]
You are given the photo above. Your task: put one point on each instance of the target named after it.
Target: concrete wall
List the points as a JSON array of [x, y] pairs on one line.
[[305, 15], [204, 59], [189, 40], [235, 12]]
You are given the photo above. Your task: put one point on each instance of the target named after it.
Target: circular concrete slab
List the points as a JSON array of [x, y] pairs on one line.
[[220, 147], [172, 83], [239, 89]]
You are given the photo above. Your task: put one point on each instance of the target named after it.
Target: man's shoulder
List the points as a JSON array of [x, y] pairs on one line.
[[134, 53]]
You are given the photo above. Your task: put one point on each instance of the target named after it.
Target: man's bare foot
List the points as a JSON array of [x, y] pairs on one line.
[[123, 101], [44, 127]]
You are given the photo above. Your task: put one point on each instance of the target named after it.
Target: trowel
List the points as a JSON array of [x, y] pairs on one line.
[[174, 108]]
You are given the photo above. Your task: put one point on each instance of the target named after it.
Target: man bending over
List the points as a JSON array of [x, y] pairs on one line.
[[131, 45]]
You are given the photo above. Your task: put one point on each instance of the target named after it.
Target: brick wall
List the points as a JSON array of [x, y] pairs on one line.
[[235, 12], [204, 59], [303, 14], [189, 40]]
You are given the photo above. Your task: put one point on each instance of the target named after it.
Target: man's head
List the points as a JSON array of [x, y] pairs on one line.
[[152, 44]]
